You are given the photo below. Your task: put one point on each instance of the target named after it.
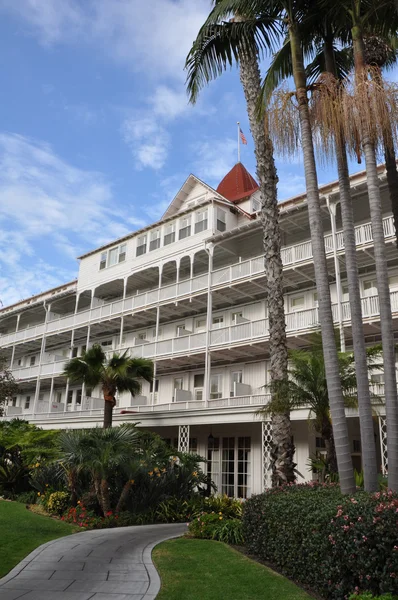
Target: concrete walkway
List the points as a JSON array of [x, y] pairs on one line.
[[106, 564]]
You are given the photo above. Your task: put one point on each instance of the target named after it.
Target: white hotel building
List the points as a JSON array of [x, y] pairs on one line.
[[188, 292]]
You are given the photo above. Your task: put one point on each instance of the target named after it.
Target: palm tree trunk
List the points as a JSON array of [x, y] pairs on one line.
[[392, 182], [105, 498], [282, 434], [340, 429], [123, 496], [386, 323], [369, 458], [109, 403]]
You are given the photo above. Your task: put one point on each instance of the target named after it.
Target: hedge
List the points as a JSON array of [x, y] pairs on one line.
[[336, 544]]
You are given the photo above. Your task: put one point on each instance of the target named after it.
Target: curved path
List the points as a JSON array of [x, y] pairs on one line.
[[106, 564]]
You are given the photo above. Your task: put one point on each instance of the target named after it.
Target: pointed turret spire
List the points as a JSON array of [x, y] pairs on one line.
[[237, 184]]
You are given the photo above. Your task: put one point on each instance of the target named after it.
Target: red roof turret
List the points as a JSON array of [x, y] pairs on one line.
[[237, 184]]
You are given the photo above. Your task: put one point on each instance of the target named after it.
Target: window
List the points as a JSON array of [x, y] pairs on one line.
[[14, 401], [89, 392], [178, 383], [393, 282], [370, 287], [141, 335], [213, 459], [256, 205], [320, 443], [180, 330], [218, 321], [244, 455], [141, 245], [122, 252], [228, 467], [356, 445], [32, 360], [154, 241], [236, 377], [106, 343], [58, 397], [345, 295], [169, 234], [377, 378], [315, 299], [79, 397], [185, 227], [160, 331], [201, 220], [198, 384], [74, 352], [154, 385], [200, 325], [69, 397], [84, 348], [215, 386], [236, 317], [193, 445], [103, 260], [27, 402], [297, 303], [113, 256], [19, 362], [221, 220]]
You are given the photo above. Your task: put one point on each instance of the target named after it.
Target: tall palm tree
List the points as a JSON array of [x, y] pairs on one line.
[[357, 12], [290, 14], [218, 44], [119, 373], [319, 39]]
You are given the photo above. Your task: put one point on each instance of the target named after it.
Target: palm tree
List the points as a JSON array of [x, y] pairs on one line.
[[356, 12], [308, 389], [291, 15], [119, 373], [319, 39], [98, 452], [217, 45]]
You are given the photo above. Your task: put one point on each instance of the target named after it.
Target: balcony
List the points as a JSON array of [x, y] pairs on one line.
[[299, 253]]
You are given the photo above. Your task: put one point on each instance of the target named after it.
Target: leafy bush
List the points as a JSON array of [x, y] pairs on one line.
[[229, 507], [335, 544], [368, 596], [214, 526], [58, 502], [27, 497]]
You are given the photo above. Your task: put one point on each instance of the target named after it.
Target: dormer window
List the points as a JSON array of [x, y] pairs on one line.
[[201, 220], [169, 233], [154, 242], [141, 245], [185, 227], [113, 256]]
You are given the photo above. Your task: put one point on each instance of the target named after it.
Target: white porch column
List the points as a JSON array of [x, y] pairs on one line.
[[332, 206], [154, 361], [13, 346], [42, 348], [383, 444], [51, 394], [77, 302], [266, 447], [209, 322], [183, 438], [121, 331]]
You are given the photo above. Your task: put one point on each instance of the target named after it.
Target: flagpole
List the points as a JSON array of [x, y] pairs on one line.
[[238, 124]]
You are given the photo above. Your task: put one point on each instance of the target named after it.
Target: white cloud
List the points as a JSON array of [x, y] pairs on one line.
[[150, 37], [50, 208], [169, 103], [290, 184], [214, 159], [147, 140]]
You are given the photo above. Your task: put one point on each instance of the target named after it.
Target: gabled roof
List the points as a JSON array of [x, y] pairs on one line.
[[237, 184], [184, 192]]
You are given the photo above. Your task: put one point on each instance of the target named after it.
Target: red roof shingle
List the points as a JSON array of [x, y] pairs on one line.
[[237, 184]]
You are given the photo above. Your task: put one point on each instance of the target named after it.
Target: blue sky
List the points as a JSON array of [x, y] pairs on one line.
[[96, 135]]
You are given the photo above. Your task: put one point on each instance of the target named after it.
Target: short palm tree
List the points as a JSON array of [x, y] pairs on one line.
[[308, 389], [119, 373]]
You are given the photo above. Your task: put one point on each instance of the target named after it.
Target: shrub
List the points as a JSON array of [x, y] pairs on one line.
[[335, 544], [27, 497], [368, 596], [229, 507], [214, 526], [58, 502]]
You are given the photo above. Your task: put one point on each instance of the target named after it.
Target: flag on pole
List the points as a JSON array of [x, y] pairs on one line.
[[242, 137]]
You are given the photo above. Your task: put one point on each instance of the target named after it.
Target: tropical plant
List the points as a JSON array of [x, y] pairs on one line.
[[320, 46], [119, 373], [261, 16], [8, 385], [219, 44], [308, 389]]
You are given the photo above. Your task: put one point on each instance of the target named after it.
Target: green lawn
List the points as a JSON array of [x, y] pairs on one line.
[[21, 531], [207, 570]]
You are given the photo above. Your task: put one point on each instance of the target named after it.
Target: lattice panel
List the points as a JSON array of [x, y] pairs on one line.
[[383, 444], [183, 438], [266, 453]]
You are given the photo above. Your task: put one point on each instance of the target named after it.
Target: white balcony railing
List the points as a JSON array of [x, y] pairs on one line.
[[298, 253]]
